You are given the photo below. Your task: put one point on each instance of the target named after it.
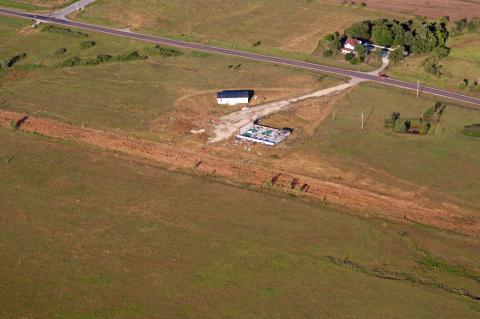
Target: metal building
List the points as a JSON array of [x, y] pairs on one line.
[[233, 97]]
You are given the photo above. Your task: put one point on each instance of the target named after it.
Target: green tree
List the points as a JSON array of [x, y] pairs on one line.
[[432, 66], [398, 35], [361, 51], [424, 40], [360, 30], [396, 55], [382, 35]]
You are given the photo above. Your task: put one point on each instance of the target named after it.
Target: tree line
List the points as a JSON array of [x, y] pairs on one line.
[[414, 36]]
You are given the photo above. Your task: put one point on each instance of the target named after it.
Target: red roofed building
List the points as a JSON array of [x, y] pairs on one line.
[[349, 46]]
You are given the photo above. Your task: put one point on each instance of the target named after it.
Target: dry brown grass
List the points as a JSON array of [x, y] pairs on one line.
[[455, 9]]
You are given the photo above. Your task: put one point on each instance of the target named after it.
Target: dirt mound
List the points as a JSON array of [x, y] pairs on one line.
[[203, 161]]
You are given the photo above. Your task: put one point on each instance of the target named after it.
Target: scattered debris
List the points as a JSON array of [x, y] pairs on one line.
[[263, 134], [199, 131]]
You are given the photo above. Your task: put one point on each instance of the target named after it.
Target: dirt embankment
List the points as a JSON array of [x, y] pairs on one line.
[[203, 161]]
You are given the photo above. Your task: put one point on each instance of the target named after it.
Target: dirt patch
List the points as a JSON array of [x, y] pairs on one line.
[[231, 123], [203, 161], [455, 9]]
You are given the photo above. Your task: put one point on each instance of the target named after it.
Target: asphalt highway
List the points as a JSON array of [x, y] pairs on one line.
[[241, 54]]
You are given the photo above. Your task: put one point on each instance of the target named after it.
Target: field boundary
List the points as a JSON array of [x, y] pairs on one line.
[[205, 163]]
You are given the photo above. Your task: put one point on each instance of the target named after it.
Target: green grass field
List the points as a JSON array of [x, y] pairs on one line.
[[129, 96], [446, 162], [35, 5], [286, 27], [88, 233], [463, 63]]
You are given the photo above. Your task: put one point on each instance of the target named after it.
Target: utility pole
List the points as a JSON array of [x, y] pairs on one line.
[[333, 115], [363, 124], [418, 88]]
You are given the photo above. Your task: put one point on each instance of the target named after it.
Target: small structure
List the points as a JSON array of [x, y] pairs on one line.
[[350, 44], [234, 97], [263, 134]]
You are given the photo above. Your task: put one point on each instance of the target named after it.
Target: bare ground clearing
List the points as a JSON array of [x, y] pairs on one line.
[[204, 161], [231, 123]]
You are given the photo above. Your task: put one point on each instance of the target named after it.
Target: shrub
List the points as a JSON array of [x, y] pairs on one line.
[[164, 52], [361, 51], [424, 129], [472, 130], [258, 43], [463, 85], [9, 62], [71, 62], [198, 54], [60, 51], [66, 31], [349, 57], [327, 53], [396, 55], [474, 87], [101, 58], [87, 44], [432, 66], [132, 56], [441, 52]]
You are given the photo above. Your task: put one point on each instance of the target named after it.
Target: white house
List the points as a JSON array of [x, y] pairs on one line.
[[349, 46], [233, 97]]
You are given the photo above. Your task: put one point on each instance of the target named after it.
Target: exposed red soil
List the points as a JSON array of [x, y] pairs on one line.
[[203, 161], [455, 9]]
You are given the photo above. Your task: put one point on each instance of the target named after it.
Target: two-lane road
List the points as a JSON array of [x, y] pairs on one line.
[[240, 54]]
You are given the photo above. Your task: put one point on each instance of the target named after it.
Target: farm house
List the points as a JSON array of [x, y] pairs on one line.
[[234, 97]]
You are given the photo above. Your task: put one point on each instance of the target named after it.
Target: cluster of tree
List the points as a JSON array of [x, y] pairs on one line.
[[87, 44], [101, 58], [473, 86], [417, 36], [164, 52], [420, 125], [465, 25], [65, 31]]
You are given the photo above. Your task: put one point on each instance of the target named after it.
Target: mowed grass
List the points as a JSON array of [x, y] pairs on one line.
[[463, 63], [88, 233], [129, 95], [286, 27], [35, 5], [447, 162]]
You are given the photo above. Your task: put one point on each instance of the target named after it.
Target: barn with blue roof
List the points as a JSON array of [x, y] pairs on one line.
[[234, 97]]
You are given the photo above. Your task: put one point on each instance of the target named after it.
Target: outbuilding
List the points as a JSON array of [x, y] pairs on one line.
[[233, 97]]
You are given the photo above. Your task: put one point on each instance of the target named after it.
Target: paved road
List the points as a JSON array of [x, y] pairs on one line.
[[62, 13], [241, 54]]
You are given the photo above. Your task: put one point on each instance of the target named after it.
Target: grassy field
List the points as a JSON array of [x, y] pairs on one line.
[[446, 162], [463, 63], [130, 96], [35, 5], [281, 27], [93, 234]]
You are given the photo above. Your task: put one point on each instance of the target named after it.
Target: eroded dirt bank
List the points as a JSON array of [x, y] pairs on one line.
[[203, 161]]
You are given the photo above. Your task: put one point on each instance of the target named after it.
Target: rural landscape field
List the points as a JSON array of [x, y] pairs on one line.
[[239, 159]]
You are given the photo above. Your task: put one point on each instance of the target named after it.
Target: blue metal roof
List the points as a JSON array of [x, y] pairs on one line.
[[233, 94]]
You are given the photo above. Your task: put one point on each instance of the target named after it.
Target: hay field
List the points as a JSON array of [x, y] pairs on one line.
[[282, 27], [91, 233]]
